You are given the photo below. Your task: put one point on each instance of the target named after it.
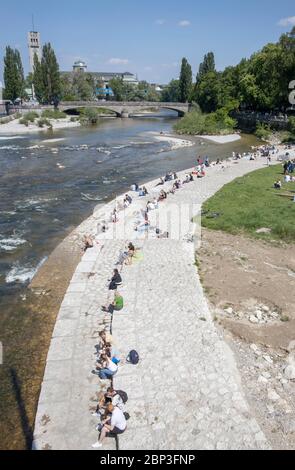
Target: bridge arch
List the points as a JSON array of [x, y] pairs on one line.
[[177, 110], [74, 110]]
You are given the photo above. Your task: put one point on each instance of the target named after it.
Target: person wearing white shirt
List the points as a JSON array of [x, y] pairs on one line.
[[116, 424]]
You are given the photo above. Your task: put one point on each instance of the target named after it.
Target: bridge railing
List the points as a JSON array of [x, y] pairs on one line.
[[122, 103]]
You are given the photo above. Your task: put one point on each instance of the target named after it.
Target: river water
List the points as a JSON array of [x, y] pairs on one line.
[[48, 188]]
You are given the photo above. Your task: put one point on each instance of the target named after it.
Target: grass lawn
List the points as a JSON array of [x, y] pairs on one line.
[[250, 203]]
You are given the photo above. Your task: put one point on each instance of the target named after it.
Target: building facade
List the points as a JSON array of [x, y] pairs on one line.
[[34, 44], [102, 79]]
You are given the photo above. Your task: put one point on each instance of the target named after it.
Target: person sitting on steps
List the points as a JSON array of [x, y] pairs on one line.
[[116, 305], [106, 368], [111, 396], [115, 281], [115, 425]]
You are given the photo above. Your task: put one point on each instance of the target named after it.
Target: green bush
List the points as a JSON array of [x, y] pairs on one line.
[[291, 125], [287, 137], [44, 122], [24, 121], [5, 120], [196, 123], [89, 115], [53, 114], [31, 116], [263, 131]]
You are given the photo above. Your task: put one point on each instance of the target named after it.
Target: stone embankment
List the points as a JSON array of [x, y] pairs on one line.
[[186, 391]]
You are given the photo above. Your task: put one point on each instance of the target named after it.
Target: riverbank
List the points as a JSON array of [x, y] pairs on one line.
[[74, 338], [44, 204], [176, 142], [173, 140], [221, 139], [15, 128]]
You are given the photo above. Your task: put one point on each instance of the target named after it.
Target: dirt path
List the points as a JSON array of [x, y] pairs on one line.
[[251, 287]]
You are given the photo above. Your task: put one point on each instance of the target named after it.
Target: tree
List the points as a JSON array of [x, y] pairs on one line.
[[38, 82], [124, 91], [208, 65], [83, 86], [147, 92], [207, 92], [185, 81], [67, 91], [47, 77], [117, 85], [13, 75], [171, 93]]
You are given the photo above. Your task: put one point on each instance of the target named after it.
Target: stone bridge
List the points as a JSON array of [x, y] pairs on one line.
[[124, 109]]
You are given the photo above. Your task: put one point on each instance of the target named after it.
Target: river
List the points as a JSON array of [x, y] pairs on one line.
[[48, 188]]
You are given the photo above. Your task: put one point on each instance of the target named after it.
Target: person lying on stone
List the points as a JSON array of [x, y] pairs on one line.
[[161, 182], [88, 242], [162, 195]]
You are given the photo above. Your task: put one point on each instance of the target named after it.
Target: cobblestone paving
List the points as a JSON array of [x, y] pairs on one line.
[[185, 393]]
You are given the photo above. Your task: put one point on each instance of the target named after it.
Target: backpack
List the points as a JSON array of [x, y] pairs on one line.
[[133, 357], [123, 395]]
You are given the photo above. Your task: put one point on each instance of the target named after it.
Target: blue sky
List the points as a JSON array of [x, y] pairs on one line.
[[148, 37]]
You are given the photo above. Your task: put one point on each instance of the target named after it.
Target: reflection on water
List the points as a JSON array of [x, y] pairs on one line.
[[50, 183]]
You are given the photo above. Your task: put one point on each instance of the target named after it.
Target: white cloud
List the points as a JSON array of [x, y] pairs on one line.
[[160, 22], [287, 21], [184, 23], [117, 61]]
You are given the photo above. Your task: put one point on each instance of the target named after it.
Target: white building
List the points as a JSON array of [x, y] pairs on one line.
[[79, 66], [130, 78], [34, 44]]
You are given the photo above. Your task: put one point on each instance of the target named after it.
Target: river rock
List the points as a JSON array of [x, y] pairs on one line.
[[288, 426], [253, 319], [266, 375], [268, 359], [258, 314], [273, 396], [229, 311], [291, 346], [290, 372], [254, 347]]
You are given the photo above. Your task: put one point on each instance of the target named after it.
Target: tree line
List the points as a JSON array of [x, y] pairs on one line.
[[260, 83], [51, 86], [45, 78]]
